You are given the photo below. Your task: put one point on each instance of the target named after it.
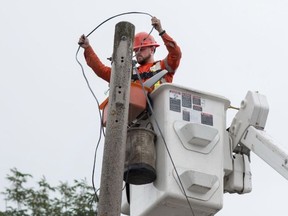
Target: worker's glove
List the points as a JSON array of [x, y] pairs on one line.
[[83, 41], [156, 24]]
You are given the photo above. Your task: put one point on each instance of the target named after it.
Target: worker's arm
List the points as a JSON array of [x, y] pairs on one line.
[[97, 66], [172, 61], [93, 61]]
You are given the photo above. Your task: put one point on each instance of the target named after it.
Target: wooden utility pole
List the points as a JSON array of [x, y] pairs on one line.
[[117, 120]]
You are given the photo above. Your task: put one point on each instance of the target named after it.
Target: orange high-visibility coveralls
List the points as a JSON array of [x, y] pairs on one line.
[[170, 63]]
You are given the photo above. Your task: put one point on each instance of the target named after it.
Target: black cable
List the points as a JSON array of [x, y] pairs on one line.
[[149, 104], [121, 14], [101, 125]]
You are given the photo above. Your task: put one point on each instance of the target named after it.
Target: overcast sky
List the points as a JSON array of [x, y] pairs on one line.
[[49, 123]]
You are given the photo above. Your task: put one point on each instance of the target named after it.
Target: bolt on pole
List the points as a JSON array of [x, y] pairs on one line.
[[117, 120]]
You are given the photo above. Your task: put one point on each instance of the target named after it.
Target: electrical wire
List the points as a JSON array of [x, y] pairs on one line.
[[148, 102], [101, 126], [117, 15]]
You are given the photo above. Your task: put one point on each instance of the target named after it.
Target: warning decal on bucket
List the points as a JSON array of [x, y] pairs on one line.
[[175, 101], [191, 107]]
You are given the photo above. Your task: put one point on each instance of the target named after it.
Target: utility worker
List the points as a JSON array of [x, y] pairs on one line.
[[144, 48]]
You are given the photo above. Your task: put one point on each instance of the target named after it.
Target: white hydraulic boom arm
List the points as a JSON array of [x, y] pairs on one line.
[[247, 133]]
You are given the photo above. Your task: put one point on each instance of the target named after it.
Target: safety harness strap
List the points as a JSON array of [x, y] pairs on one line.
[[145, 75]]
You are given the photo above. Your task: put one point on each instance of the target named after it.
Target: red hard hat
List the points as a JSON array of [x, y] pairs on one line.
[[143, 39]]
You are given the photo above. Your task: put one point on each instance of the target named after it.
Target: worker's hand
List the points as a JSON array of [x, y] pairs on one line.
[[83, 41], [156, 24]]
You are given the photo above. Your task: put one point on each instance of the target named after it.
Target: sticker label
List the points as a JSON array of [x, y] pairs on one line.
[[207, 119], [186, 115], [191, 107], [186, 100], [175, 101], [197, 100]]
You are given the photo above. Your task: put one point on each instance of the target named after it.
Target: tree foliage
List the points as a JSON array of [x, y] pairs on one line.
[[62, 200]]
